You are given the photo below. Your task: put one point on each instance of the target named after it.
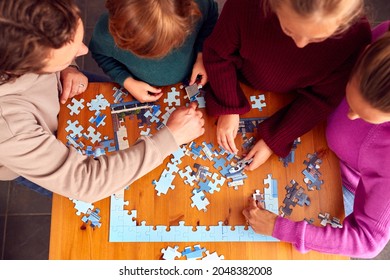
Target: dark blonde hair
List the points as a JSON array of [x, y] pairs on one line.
[[29, 30], [307, 8], [372, 74], [151, 28]]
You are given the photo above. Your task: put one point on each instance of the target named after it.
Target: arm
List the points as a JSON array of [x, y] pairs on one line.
[[38, 156], [367, 230], [73, 82], [220, 56], [312, 105]]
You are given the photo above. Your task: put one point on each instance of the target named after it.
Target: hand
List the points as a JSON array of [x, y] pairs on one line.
[[199, 69], [142, 91], [186, 124], [262, 221], [260, 153], [73, 83], [227, 129]]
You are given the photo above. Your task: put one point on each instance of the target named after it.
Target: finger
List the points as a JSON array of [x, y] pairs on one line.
[[153, 90], [231, 143], [245, 213], [224, 143], [260, 205], [199, 114], [194, 75], [194, 105], [75, 88], [204, 80], [255, 163], [151, 98], [66, 88], [202, 121], [83, 86], [252, 202]]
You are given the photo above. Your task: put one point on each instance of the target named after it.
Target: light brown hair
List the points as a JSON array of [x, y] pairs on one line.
[[307, 8], [372, 73], [29, 30], [151, 28]]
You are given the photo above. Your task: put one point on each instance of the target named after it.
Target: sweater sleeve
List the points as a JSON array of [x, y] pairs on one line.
[[312, 105], [221, 57], [367, 230], [102, 47], [209, 10], [64, 171]]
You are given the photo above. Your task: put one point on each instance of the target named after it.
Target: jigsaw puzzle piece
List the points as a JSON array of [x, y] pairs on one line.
[[171, 253]]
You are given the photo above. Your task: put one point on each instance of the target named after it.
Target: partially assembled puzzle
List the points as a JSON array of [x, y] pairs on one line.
[[228, 170]]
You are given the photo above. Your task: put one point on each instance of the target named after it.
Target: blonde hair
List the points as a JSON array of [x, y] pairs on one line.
[[372, 73], [307, 8], [151, 28]]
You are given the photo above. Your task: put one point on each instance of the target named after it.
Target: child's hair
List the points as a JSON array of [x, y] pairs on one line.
[[29, 29], [372, 73], [151, 28], [307, 8]]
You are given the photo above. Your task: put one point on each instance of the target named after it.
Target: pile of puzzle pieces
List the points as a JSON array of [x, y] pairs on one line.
[[312, 173]]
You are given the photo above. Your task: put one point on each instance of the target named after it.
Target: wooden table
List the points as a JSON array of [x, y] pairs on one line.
[[72, 239]]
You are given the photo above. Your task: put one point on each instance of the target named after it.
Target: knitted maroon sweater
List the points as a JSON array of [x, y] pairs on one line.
[[248, 46]]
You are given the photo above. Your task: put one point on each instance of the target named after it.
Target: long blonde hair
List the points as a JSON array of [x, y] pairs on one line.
[[307, 8], [151, 28]]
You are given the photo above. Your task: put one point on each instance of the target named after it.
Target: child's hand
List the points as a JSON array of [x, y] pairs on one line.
[[142, 91], [262, 221], [227, 129], [260, 153], [199, 69], [186, 124], [73, 83]]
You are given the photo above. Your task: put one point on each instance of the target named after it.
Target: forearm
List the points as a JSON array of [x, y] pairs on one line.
[[66, 172], [349, 241], [292, 121]]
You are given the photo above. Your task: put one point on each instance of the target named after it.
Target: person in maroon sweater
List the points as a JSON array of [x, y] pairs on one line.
[[281, 46]]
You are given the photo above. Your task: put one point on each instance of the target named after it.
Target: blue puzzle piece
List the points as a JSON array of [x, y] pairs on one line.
[[93, 217], [193, 254]]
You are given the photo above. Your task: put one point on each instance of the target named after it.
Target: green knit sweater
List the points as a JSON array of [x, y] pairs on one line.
[[171, 69]]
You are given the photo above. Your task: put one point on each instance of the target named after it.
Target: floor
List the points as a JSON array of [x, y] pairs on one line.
[[25, 215]]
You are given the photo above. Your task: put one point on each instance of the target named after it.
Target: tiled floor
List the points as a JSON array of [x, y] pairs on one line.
[[25, 215]]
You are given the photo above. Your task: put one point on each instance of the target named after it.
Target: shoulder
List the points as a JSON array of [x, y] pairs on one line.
[[375, 151], [244, 10], [207, 7], [101, 36], [101, 27], [361, 30], [356, 37]]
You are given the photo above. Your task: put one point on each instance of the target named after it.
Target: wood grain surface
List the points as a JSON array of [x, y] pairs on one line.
[[72, 239]]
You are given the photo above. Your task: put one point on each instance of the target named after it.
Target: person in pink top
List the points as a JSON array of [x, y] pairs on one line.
[[359, 133]]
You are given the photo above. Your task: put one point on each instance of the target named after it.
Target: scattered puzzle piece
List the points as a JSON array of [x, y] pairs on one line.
[[76, 106], [193, 254], [257, 102], [199, 200], [212, 257], [93, 217], [171, 253]]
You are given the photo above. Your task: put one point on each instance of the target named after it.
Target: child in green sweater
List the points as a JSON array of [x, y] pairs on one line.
[[143, 45]]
